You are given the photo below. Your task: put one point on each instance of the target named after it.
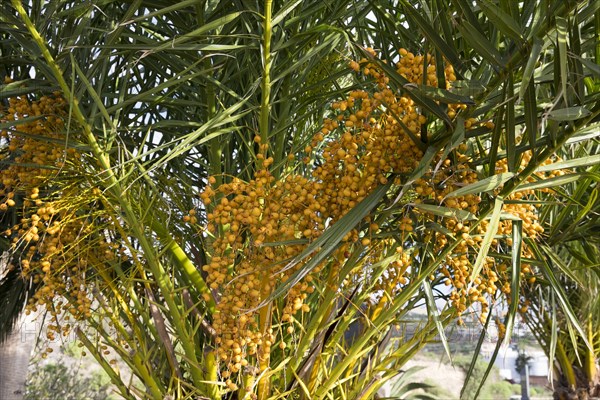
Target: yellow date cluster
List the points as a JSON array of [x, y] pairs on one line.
[[55, 239]]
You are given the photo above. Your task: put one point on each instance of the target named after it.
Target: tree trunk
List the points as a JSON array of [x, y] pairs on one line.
[[585, 390], [15, 353], [525, 382]]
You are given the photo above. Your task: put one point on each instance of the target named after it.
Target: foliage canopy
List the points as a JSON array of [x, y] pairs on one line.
[[224, 191]]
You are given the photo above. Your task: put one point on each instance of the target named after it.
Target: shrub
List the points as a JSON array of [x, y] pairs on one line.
[[59, 381]]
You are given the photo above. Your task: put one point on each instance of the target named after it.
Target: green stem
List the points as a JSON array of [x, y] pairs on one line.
[[565, 365], [184, 263], [590, 356], [265, 312], [265, 106], [211, 367], [278, 151]]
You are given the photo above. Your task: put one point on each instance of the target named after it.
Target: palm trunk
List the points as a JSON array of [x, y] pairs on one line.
[[15, 353]]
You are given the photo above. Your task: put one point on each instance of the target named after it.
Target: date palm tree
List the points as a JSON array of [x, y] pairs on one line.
[[167, 100]]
